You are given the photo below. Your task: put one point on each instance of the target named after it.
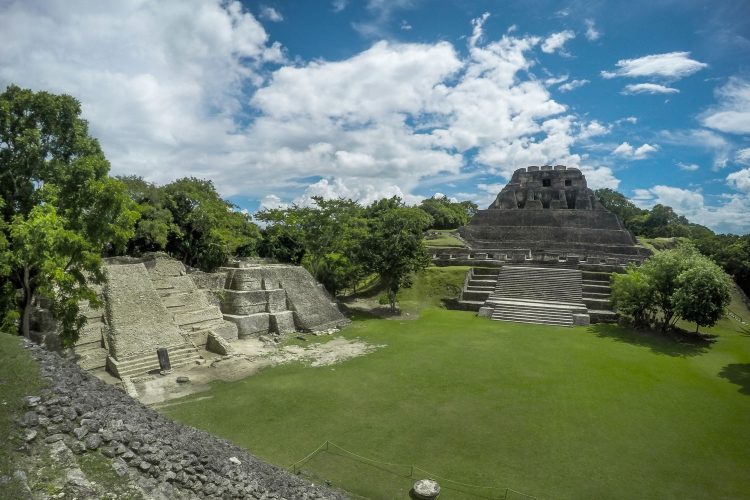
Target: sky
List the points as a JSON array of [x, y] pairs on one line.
[[280, 101]]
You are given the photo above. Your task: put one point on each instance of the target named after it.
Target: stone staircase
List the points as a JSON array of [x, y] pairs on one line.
[[188, 305], [539, 295], [479, 285], [141, 364], [91, 348], [596, 296]]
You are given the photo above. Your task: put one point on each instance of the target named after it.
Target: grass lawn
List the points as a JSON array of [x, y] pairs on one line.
[[585, 412], [445, 238], [19, 377]]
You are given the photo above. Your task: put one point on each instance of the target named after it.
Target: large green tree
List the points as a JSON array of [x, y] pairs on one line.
[[60, 209], [672, 285], [394, 246], [447, 214], [207, 229]]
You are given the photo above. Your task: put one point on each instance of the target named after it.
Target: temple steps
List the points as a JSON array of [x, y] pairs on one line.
[[540, 295], [141, 364]]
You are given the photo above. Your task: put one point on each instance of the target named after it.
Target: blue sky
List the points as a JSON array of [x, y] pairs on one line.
[[278, 101]]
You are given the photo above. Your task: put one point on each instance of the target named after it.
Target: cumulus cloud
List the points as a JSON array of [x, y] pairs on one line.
[[271, 14], [625, 150], [572, 85], [670, 66], [732, 113], [600, 177], [648, 88], [687, 167], [339, 5], [556, 41], [196, 88], [592, 34], [740, 180], [730, 214]]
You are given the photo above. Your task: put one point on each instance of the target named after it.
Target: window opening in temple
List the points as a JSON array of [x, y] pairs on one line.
[[546, 182], [568, 182]]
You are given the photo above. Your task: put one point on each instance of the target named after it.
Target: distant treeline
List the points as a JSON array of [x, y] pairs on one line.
[[730, 251]]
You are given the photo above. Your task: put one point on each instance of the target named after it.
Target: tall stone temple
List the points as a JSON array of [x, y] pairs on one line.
[[543, 251]]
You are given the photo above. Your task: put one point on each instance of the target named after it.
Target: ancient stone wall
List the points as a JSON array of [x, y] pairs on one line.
[[153, 456]]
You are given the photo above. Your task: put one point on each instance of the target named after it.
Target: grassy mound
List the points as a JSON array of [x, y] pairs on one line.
[[585, 412]]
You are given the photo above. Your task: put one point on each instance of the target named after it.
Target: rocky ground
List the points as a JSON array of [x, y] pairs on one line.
[[81, 438]]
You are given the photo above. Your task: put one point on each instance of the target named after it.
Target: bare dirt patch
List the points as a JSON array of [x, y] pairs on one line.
[[249, 357]]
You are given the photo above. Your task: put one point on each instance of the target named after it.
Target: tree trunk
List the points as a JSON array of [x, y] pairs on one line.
[[28, 304]]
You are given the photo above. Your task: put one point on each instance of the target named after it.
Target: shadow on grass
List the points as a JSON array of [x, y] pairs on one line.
[[677, 344], [738, 374]]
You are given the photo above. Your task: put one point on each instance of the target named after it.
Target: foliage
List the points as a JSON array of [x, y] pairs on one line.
[[730, 251], [155, 223], [60, 209], [447, 214], [394, 247], [673, 284], [324, 237]]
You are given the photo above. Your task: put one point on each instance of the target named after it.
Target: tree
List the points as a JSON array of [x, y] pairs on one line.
[[60, 209], [703, 294], [673, 284], [394, 246], [447, 214], [209, 229], [619, 205], [155, 223]]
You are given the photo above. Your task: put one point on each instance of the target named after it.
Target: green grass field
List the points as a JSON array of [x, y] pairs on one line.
[[445, 238], [586, 412]]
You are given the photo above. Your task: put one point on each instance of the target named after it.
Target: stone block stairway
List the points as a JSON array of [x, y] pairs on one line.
[[537, 295], [596, 296]]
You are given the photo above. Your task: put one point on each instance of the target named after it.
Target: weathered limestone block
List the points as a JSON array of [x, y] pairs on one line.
[[250, 325], [209, 281], [199, 316], [138, 321], [227, 330], [245, 279], [276, 300], [244, 302], [581, 319], [218, 344], [175, 284], [282, 322], [162, 266]]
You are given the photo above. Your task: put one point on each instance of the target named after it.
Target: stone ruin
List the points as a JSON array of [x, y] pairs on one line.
[[550, 210], [154, 302], [555, 245]]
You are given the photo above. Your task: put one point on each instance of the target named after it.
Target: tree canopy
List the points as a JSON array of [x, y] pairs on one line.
[[447, 214], [672, 285], [60, 209]]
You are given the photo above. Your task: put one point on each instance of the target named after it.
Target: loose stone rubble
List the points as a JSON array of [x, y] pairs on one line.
[[79, 414]]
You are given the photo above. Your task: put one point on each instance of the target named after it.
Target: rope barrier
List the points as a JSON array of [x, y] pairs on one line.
[[327, 444]]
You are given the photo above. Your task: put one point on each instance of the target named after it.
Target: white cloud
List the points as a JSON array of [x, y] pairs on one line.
[[571, 85], [743, 156], [593, 129], [670, 66], [477, 29], [702, 139], [600, 177], [339, 5], [592, 34], [405, 26], [628, 119], [688, 167], [731, 215], [159, 82], [625, 150], [271, 14], [556, 42], [187, 89], [740, 180], [648, 88], [272, 201], [732, 114]]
